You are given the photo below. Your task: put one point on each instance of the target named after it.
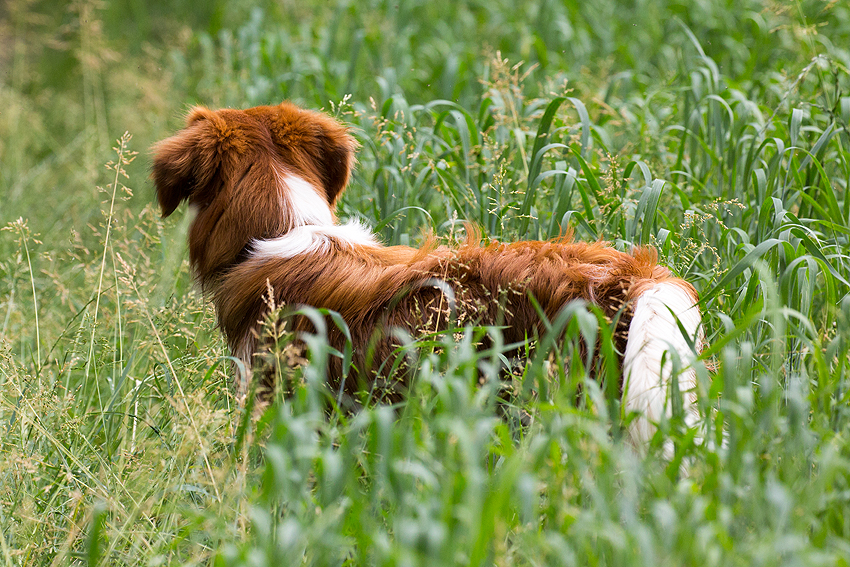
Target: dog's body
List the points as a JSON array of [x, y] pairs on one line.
[[264, 182]]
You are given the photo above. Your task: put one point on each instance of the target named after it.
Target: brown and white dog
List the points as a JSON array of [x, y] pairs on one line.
[[264, 182]]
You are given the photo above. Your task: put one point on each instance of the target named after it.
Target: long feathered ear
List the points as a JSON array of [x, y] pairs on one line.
[[337, 159], [185, 162]]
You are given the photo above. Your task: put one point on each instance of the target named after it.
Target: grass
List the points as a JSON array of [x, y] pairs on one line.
[[717, 132]]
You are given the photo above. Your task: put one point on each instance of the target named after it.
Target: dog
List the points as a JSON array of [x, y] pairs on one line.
[[264, 183]]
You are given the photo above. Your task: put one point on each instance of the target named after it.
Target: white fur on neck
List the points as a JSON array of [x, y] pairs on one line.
[[654, 336], [306, 203], [314, 230], [312, 238]]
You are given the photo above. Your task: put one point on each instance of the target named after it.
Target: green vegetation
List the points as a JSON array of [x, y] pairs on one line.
[[718, 132]]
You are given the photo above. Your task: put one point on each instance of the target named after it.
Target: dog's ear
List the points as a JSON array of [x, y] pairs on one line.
[[337, 158], [186, 162]]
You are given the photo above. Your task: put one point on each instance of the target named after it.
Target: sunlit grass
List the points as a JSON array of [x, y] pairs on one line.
[[718, 134]]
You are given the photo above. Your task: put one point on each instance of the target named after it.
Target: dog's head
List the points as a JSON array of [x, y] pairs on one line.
[[251, 174]]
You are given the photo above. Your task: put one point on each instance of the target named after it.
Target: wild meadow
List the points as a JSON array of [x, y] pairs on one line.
[[716, 131]]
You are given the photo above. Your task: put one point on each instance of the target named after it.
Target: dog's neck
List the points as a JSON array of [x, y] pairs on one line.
[[314, 230], [311, 228], [243, 217], [302, 201]]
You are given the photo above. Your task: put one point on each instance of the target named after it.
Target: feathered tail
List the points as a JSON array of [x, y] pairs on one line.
[[655, 340]]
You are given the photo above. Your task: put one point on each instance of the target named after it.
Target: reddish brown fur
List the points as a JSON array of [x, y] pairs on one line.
[[222, 163]]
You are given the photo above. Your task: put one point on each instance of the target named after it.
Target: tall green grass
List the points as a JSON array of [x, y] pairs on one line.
[[716, 132]]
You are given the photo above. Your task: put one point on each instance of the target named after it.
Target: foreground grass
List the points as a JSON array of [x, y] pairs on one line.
[[722, 144]]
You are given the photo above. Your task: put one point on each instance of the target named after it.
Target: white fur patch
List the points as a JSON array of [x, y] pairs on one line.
[[652, 333], [310, 238], [314, 229], [306, 203]]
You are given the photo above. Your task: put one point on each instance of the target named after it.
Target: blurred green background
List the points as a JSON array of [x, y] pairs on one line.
[[716, 131]]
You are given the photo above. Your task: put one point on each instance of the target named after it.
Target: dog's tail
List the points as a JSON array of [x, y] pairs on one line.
[[664, 335]]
